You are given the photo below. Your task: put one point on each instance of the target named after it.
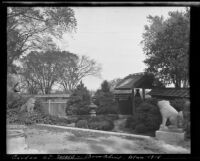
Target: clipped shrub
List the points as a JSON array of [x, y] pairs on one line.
[[152, 101], [131, 122], [82, 124], [106, 125], [178, 104], [147, 116], [94, 125], [141, 128]]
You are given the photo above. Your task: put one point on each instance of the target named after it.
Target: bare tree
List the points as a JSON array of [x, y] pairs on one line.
[[77, 69]]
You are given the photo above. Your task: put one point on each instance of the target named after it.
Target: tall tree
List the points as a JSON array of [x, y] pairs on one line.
[[33, 28], [40, 70], [166, 45], [75, 69]]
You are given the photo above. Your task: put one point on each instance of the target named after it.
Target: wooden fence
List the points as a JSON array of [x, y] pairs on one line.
[[56, 108]]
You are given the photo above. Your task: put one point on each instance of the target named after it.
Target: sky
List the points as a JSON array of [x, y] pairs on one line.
[[111, 36]]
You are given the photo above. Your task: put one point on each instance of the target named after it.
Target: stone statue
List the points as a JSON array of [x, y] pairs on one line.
[[29, 105], [169, 112]]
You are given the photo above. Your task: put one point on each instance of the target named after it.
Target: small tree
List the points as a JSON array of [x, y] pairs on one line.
[[79, 101], [105, 100]]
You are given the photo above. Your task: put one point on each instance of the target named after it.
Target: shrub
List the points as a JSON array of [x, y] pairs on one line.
[[147, 116], [82, 124], [131, 122], [105, 101], [111, 108], [15, 116], [113, 116], [178, 104], [15, 100], [141, 128], [106, 125], [38, 105], [78, 103], [152, 101], [186, 115], [138, 101]]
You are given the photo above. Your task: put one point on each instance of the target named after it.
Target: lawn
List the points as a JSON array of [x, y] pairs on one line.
[[53, 140]]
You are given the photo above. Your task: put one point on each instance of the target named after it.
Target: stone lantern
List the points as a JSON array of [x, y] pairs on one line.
[[92, 107]]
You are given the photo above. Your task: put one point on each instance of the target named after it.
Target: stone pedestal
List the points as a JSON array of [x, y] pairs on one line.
[[172, 137]]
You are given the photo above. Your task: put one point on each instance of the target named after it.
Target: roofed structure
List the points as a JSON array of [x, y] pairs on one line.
[[126, 88], [170, 93], [137, 80]]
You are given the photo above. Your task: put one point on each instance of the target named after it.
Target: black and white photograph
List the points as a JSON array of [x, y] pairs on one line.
[[98, 80]]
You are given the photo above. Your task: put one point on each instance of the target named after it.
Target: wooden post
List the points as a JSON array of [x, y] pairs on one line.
[[143, 93], [133, 102]]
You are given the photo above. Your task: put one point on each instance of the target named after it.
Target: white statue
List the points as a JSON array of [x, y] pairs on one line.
[[169, 112], [29, 105]]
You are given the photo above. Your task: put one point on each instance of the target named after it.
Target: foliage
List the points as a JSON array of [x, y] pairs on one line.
[[147, 117], [104, 99], [178, 104], [105, 86], [33, 28], [138, 101], [40, 70], [166, 45], [82, 124], [106, 125], [14, 116], [15, 100], [141, 128], [79, 101], [131, 122], [152, 101], [186, 116], [101, 123]]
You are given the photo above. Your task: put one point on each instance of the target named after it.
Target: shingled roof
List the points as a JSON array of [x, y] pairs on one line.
[[170, 92], [137, 80]]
